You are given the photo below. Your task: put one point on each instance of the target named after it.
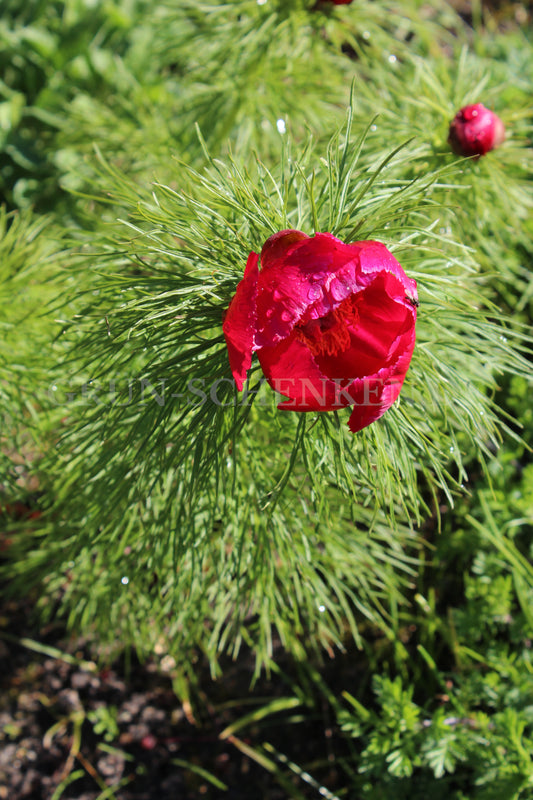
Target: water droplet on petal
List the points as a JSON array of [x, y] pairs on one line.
[[286, 316], [314, 292], [337, 289], [276, 295], [318, 276], [269, 312]]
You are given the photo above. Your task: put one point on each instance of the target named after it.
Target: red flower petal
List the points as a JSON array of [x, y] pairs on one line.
[[290, 369], [373, 335], [378, 394], [278, 245], [375, 257], [310, 276], [240, 322]]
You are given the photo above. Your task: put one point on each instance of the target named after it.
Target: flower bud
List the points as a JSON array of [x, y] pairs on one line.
[[475, 130]]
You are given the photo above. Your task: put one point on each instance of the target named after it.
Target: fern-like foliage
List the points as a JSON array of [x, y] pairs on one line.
[[212, 514]]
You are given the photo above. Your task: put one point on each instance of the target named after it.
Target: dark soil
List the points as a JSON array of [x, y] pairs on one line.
[[73, 731]]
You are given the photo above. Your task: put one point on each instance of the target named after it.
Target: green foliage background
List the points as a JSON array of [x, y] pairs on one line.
[[145, 149]]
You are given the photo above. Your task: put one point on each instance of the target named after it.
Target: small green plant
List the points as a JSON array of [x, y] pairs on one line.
[[488, 754], [104, 722]]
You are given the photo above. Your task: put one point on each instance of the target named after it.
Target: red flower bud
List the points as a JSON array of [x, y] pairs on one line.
[[475, 130], [333, 324]]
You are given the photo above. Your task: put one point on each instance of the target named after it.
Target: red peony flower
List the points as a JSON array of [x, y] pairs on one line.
[[333, 324], [475, 130]]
